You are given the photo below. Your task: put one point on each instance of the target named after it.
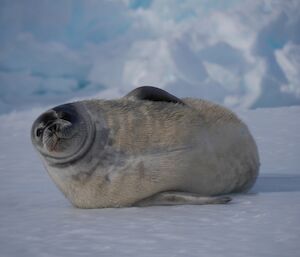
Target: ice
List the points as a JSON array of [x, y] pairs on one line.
[[238, 53], [289, 58], [36, 219]]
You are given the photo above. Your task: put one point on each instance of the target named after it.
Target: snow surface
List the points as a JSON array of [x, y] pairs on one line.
[[36, 220], [238, 53]]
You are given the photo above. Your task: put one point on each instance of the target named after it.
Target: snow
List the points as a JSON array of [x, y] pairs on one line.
[[238, 53], [36, 220]]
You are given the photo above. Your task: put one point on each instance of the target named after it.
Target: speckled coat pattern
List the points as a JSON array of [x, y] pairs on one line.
[[143, 147]]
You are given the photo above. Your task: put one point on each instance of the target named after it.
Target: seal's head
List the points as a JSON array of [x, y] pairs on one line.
[[62, 134]]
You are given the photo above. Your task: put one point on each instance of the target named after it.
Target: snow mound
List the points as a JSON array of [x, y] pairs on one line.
[[238, 53]]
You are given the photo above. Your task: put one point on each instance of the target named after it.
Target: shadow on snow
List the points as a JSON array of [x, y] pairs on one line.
[[277, 183]]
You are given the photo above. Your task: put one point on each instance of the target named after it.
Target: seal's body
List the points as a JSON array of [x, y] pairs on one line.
[[134, 151]]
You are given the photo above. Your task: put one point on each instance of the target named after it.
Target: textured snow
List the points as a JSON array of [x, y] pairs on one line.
[[238, 53], [36, 220]]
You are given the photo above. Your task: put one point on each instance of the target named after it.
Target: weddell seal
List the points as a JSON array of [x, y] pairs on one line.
[[147, 148]]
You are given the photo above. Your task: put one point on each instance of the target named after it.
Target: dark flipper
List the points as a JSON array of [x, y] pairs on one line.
[[152, 94], [181, 198]]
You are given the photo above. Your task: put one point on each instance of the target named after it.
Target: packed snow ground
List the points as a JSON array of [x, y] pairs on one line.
[[36, 220]]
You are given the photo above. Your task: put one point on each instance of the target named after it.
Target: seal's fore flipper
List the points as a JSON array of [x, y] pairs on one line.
[[152, 94], [181, 198]]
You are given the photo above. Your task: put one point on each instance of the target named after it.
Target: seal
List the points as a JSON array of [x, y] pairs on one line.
[[147, 148]]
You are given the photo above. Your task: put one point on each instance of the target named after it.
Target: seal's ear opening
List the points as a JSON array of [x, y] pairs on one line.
[[152, 94]]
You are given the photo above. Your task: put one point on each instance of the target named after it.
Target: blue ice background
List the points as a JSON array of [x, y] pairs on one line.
[[237, 53]]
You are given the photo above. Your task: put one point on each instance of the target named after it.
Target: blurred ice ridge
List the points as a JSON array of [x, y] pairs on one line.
[[237, 53]]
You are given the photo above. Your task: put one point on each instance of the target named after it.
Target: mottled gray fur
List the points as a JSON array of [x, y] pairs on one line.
[[143, 148]]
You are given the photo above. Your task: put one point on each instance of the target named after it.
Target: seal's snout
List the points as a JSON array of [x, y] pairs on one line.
[[63, 133], [52, 129]]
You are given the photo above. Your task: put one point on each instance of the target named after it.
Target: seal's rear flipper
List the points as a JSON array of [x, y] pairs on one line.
[[181, 198], [152, 94]]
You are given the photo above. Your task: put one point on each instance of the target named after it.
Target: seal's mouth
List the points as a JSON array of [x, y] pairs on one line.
[[50, 142]]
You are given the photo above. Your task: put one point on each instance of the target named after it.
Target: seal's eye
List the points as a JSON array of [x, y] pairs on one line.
[[39, 132]]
